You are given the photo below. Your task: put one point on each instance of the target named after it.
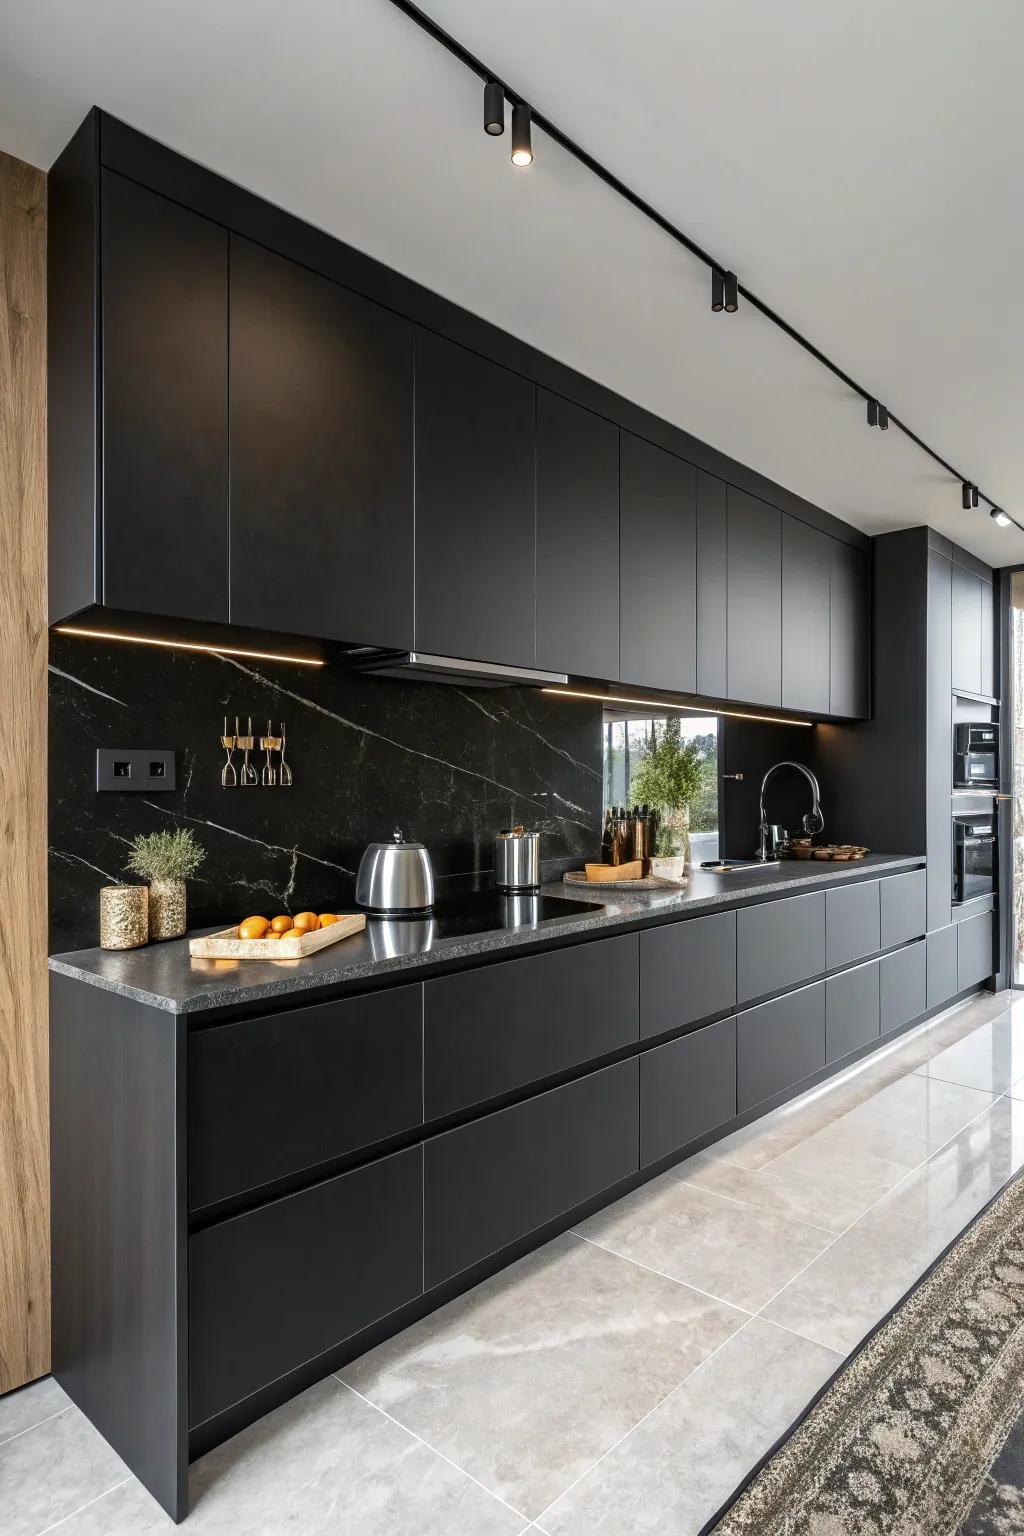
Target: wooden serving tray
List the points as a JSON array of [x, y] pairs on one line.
[[225, 946]]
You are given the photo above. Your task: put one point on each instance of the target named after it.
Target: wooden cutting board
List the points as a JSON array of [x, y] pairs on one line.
[[225, 946]]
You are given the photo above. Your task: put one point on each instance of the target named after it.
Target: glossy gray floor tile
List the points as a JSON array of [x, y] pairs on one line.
[[740, 1253], [991, 1058], [528, 1379], [51, 1470], [923, 1107], [30, 1405], [838, 1169], [325, 1464], [671, 1473], [824, 1209]]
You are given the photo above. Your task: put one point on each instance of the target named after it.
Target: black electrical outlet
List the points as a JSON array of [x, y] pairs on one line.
[[128, 770]]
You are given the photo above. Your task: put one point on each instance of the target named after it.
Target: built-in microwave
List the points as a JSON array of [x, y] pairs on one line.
[[976, 757], [974, 857]]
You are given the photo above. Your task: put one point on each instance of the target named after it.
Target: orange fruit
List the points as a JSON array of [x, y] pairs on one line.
[[327, 918], [294, 933], [306, 922], [253, 928], [280, 924]]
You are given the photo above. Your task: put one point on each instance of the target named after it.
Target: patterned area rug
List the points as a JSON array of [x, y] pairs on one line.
[[922, 1433]]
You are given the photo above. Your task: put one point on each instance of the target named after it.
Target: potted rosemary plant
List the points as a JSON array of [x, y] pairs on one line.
[[668, 777], [166, 860]]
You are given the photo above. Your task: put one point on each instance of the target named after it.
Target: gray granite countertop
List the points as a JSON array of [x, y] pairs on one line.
[[165, 975]]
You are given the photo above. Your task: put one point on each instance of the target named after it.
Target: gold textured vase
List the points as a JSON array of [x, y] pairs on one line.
[[167, 909], [124, 916]]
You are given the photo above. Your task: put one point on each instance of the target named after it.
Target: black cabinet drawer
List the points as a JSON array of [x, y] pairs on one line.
[[492, 1030], [279, 1285], [779, 944], [975, 952], [941, 957], [687, 972], [687, 1087], [501, 1177], [851, 1010], [272, 1096], [852, 928], [902, 986], [778, 1044], [904, 907]]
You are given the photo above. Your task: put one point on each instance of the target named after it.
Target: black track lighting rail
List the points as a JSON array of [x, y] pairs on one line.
[[719, 270]]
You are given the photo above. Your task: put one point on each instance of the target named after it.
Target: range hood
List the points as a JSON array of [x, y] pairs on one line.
[[451, 669]]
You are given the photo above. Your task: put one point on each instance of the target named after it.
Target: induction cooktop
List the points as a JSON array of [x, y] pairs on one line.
[[469, 912]]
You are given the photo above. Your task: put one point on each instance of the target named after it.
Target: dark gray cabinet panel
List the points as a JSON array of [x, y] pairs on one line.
[[275, 1095], [687, 1087], [851, 1010], [779, 1044], [499, 1178], [904, 901], [657, 567], [165, 402], [277, 1286], [849, 602], [779, 944], [475, 504], [754, 651], [852, 923], [966, 630], [322, 442], [492, 1030], [577, 539], [939, 740], [712, 587], [806, 565], [988, 675], [687, 972], [975, 950], [941, 958], [902, 986]]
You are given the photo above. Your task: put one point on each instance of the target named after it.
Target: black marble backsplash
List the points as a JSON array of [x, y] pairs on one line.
[[450, 766]]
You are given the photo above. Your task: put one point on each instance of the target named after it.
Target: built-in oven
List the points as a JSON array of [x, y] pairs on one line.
[[974, 857], [976, 756]]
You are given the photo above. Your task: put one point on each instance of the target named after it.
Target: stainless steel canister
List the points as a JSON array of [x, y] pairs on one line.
[[517, 860]]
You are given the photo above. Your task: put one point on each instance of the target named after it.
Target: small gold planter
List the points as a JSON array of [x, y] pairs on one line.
[[167, 909], [124, 916]]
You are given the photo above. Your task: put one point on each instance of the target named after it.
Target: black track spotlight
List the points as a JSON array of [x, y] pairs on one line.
[[999, 516], [872, 413], [522, 149], [494, 108], [717, 290], [967, 490], [732, 293], [974, 495], [883, 418]]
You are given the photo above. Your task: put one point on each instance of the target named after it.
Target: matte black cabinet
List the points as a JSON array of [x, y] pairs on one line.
[[942, 965], [902, 986], [165, 401], [321, 456], [806, 647], [577, 539], [712, 587], [657, 567], [851, 1010], [938, 780], [754, 644], [988, 640], [687, 1087], [779, 944], [852, 923], [499, 1178], [490, 1031], [967, 614], [778, 1044], [849, 616], [687, 972], [904, 902], [475, 506], [975, 950]]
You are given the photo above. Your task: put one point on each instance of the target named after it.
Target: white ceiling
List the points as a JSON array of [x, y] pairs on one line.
[[857, 163]]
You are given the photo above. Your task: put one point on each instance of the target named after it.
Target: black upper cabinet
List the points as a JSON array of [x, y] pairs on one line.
[[577, 539], [321, 456], [755, 599], [657, 567], [848, 625], [712, 587], [806, 563], [475, 506], [988, 674], [967, 625], [165, 404]]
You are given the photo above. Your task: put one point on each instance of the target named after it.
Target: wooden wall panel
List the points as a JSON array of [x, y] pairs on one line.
[[24, 1150]]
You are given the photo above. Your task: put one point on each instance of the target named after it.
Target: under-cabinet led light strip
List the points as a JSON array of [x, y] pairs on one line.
[[187, 645], [699, 709]]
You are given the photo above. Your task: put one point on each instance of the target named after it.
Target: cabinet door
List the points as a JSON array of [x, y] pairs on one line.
[[939, 746], [806, 564], [658, 567], [904, 900], [712, 587], [849, 628], [779, 944], [577, 539], [475, 504], [966, 630], [851, 1010], [321, 456], [941, 962], [687, 1087], [852, 926], [165, 400], [779, 1044], [497, 1179], [975, 955], [988, 674], [754, 646], [687, 972], [902, 986]]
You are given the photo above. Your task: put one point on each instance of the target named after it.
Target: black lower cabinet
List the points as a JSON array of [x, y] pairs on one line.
[[779, 944], [904, 907], [274, 1288], [851, 1010], [902, 986], [687, 1087], [851, 923], [941, 960], [496, 1180], [975, 951], [779, 1044], [687, 972]]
